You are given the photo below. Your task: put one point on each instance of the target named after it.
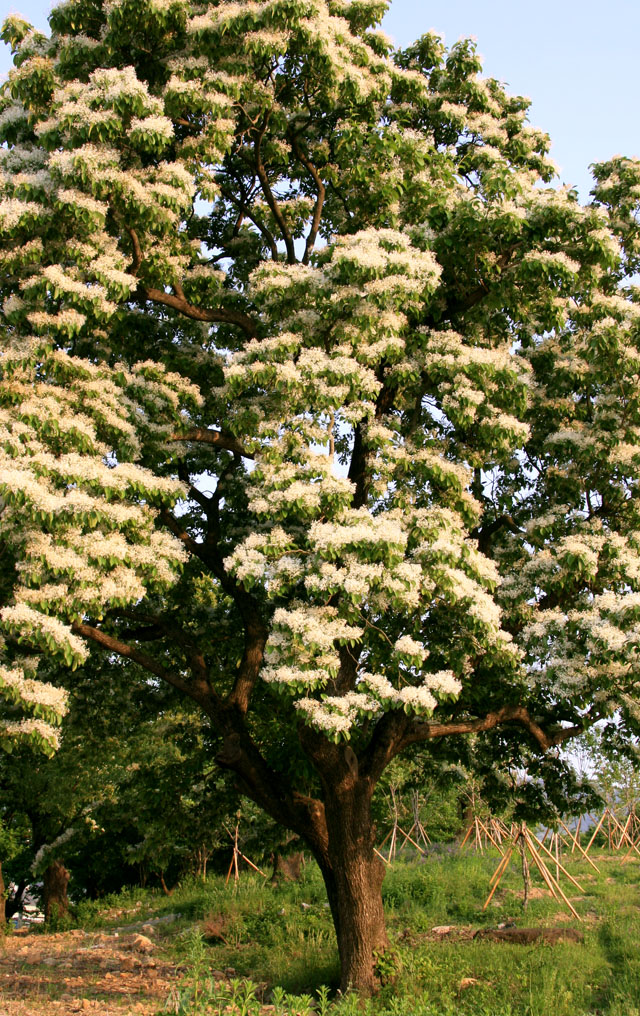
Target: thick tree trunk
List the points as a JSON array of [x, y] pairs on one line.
[[54, 895], [353, 876], [355, 898]]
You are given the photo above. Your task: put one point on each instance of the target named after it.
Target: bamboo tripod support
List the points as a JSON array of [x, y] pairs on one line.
[[239, 856], [532, 846], [491, 833], [397, 830]]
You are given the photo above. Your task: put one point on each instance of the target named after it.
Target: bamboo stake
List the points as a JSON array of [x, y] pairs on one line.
[[392, 845], [624, 831], [254, 866], [577, 833], [407, 837], [230, 870], [548, 877], [503, 864], [386, 838], [597, 830], [625, 835], [563, 870], [466, 836], [478, 837], [577, 844], [488, 834]]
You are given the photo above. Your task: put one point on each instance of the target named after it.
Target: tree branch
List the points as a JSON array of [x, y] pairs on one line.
[[507, 714], [321, 193], [218, 314], [266, 233], [179, 302], [483, 534], [202, 435], [200, 690], [276, 211], [255, 630], [134, 267]]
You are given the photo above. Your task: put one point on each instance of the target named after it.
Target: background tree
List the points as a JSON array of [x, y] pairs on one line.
[[332, 255], [130, 796]]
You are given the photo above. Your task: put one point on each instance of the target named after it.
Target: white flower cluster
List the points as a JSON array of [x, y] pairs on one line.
[[99, 544], [33, 731], [302, 647], [38, 693], [357, 528], [335, 715]]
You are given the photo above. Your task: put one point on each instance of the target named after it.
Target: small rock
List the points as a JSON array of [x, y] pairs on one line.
[[442, 929], [142, 944], [148, 929], [230, 971], [467, 982]]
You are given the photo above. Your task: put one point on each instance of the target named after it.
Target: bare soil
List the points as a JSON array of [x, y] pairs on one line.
[[76, 972]]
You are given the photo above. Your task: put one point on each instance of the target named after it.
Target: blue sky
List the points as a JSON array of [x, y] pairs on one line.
[[576, 59]]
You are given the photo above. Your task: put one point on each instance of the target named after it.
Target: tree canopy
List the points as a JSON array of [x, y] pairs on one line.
[[319, 400]]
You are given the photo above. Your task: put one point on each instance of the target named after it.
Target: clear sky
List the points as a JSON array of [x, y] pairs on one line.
[[576, 59]]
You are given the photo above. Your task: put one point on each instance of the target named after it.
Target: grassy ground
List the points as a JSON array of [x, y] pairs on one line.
[[281, 939]]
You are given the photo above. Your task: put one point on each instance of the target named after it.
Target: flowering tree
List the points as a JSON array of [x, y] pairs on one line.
[[254, 258]]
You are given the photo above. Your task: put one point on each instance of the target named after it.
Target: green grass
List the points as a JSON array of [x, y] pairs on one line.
[[282, 938]]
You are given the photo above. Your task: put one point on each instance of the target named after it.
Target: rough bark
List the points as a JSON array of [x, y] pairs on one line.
[[54, 896], [353, 876], [286, 867], [355, 897]]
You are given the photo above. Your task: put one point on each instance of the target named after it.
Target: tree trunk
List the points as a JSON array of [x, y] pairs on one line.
[[286, 867], [13, 904], [54, 895], [353, 876], [2, 899]]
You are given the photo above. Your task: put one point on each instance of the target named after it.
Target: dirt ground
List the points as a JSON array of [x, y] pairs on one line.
[[78, 972]]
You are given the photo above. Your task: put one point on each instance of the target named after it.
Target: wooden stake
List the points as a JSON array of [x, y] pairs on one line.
[[548, 877], [466, 836], [503, 864], [576, 838], [563, 870], [577, 844], [489, 836], [597, 829], [624, 836]]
